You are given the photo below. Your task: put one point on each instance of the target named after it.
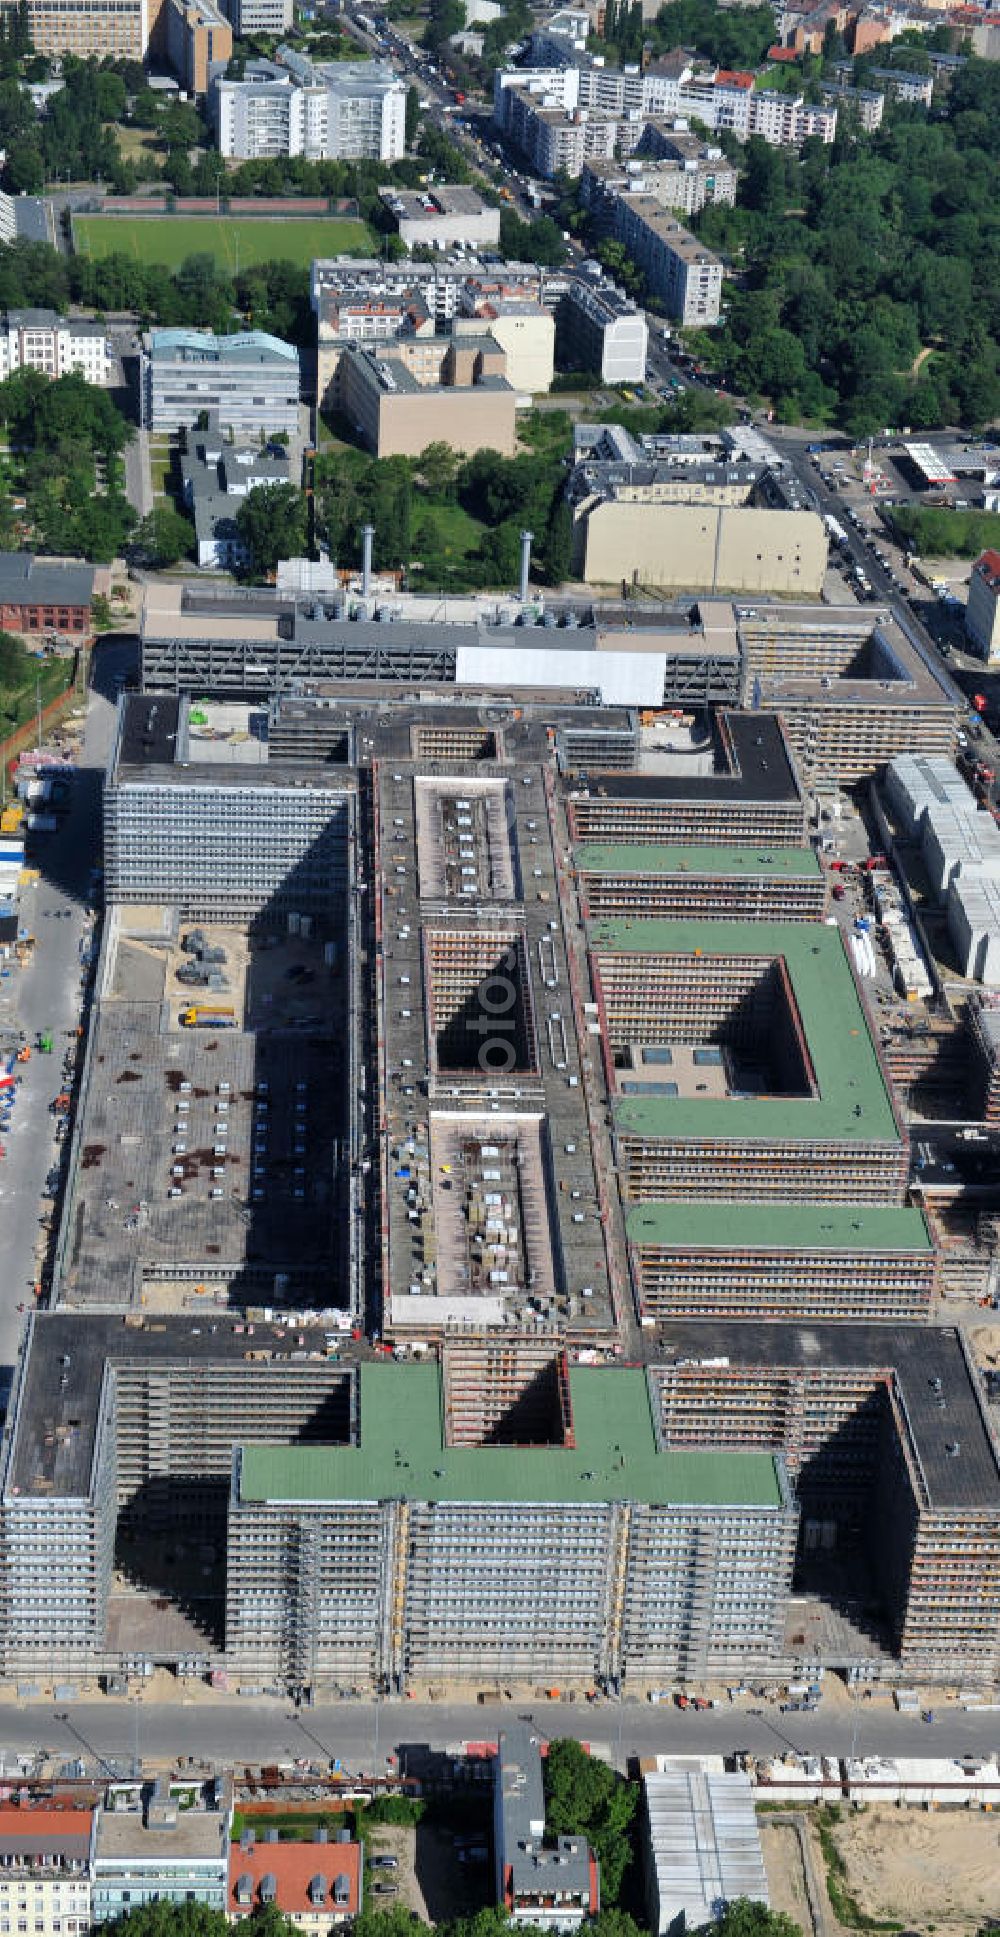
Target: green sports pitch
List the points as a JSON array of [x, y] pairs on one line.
[[164, 241]]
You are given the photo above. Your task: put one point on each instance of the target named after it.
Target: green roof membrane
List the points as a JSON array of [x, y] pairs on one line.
[[853, 1102], [741, 863], [705, 1226], [402, 1454]]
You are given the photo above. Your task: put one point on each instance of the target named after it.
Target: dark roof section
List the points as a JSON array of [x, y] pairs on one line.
[[752, 762], [917, 1354], [27, 580], [149, 730]]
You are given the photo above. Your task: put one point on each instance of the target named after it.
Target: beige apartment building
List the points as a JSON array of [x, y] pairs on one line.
[[118, 29], [715, 547], [427, 390]]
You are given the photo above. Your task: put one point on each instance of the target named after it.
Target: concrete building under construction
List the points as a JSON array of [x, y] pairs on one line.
[[741, 1065], [504, 1517], [715, 883], [780, 1262], [745, 792]]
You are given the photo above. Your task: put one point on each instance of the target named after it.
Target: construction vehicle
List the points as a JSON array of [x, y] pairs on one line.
[[24, 1054], [44, 1043], [60, 1104], [199, 1017]]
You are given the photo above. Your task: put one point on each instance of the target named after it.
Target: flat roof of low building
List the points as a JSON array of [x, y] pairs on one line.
[[703, 1226], [852, 1101], [446, 198], [125, 1834], [402, 1453], [778, 864]]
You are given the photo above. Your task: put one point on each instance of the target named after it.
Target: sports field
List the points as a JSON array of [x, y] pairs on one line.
[[235, 242]]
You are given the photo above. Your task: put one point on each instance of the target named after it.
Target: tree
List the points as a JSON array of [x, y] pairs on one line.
[[163, 537], [584, 1797], [271, 521], [744, 1918], [412, 114], [438, 468]]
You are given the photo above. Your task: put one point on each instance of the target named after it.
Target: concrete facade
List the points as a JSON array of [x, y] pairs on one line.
[[199, 42], [425, 392], [441, 216], [680, 270], [727, 549]]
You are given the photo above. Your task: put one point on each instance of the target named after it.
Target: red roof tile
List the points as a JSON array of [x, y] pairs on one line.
[[293, 1866]]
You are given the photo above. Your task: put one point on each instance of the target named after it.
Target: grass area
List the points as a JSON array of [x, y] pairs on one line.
[[946, 534], [457, 532], [236, 243], [138, 144], [19, 694]]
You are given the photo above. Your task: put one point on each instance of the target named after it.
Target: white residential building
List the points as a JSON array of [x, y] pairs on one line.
[[39, 339], [678, 268], [601, 330], [343, 111]]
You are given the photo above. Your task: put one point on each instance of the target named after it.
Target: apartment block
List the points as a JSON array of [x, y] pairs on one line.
[[695, 177], [553, 141], [423, 390], [776, 1261], [982, 610], [741, 1065], [916, 89], [199, 42], [862, 106], [333, 111], [99, 29], [983, 1019], [261, 17], [547, 1883], [150, 1849], [685, 275], [713, 883], [599, 328], [45, 1868], [249, 381], [39, 339]]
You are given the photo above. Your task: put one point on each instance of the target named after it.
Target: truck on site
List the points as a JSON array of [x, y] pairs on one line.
[[835, 531], [200, 1017]]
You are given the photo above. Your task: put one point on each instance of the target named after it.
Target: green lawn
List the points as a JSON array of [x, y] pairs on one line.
[[458, 533], [235, 243]]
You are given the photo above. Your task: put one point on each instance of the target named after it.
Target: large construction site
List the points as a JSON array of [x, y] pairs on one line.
[[492, 1075]]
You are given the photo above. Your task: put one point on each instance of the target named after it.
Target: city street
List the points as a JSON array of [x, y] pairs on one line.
[[47, 997], [361, 1734]]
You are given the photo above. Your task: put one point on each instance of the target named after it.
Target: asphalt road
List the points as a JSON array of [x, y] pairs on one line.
[[48, 998], [361, 1735]]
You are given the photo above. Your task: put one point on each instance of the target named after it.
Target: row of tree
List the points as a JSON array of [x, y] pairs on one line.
[[270, 295]]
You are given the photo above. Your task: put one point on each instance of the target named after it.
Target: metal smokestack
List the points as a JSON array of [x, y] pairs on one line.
[[526, 538], [367, 539]]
